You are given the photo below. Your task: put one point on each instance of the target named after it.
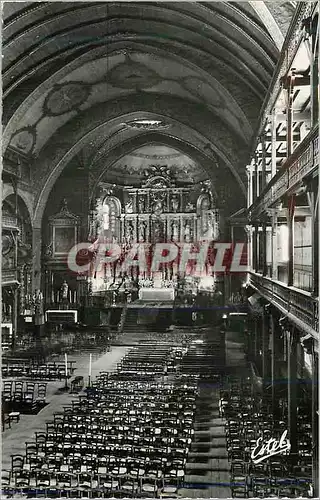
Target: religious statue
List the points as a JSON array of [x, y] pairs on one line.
[[174, 204], [175, 230], [190, 207], [157, 230], [187, 232], [157, 207], [64, 291], [38, 302], [141, 205], [129, 206], [142, 231], [129, 232]]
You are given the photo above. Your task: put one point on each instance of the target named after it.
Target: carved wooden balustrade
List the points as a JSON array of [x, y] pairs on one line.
[[299, 305], [302, 163], [8, 276], [9, 221]]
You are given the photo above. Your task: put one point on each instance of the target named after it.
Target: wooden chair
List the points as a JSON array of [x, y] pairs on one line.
[[17, 462]]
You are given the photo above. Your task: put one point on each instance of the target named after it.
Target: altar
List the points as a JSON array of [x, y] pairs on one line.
[[156, 294]]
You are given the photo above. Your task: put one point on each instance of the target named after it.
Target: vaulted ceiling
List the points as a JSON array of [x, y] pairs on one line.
[[103, 79]]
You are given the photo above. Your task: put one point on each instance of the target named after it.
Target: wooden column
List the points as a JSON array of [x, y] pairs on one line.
[[292, 391], [290, 218], [256, 175], [265, 346], [263, 151], [264, 249], [272, 331], [314, 207], [255, 248], [274, 241], [314, 71], [315, 421], [273, 143], [290, 88]]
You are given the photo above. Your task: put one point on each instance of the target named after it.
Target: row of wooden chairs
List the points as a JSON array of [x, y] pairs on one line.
[[248, 417], [140, 439]]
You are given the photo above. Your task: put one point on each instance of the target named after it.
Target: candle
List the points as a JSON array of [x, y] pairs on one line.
[[90, 365], [66, 364]]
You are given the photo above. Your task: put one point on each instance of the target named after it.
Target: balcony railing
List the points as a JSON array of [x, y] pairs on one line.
[[8, 276], [301, 163], [9, 221], [301, 306]]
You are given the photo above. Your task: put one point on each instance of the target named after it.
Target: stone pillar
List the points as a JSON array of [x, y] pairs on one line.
[[292, 392], [36, 262], [15, 316]]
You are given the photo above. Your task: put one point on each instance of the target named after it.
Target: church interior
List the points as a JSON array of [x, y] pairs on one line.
[[160, 249]]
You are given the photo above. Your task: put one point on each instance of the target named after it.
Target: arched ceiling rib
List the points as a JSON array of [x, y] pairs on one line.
[[203, 68], [89, 25]]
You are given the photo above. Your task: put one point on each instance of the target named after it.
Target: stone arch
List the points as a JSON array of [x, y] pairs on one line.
[[58, 153], [25, 198]]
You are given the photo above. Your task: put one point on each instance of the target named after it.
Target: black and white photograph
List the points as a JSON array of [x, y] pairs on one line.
[[160, 249]]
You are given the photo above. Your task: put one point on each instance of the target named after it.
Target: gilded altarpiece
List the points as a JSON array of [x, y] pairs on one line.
[[157, 212]]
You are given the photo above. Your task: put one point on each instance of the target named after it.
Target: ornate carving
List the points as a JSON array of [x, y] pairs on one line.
[[24, 140]]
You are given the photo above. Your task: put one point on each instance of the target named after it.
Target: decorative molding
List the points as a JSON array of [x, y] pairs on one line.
[[64, 217], [24, 140], [65, 98]]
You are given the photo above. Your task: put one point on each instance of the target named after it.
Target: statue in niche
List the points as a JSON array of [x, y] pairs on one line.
[[174, 204], [142, 231], [64, 291], [187, 232], [175, 230], [141, 206], [208, 228], [38, 302], [129, 232], [157, 207], [157, 230], [190, 207], [129, 206]]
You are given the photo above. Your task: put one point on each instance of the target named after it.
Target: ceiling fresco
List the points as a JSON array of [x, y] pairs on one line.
[[88, 76]]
